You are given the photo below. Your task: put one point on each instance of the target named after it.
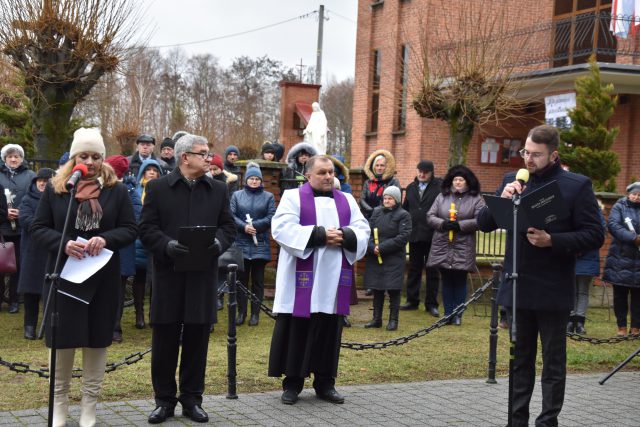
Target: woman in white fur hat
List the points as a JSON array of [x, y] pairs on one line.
[[102, 214], [15, 178]]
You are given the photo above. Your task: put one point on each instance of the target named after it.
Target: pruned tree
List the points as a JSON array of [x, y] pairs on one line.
[[466, 71], [62, 48], [586, 144]]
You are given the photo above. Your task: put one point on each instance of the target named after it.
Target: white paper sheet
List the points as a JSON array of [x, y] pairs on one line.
[[78, 270]]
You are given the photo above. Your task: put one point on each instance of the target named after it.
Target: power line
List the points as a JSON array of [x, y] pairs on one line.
[[253, 30], [341, 16]]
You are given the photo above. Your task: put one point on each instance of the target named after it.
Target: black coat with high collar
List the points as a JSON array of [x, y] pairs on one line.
[[170, 203], [419, 206]]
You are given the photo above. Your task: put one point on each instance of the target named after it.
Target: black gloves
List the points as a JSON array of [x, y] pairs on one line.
[[216, 247], [175, 249], [451, 225]]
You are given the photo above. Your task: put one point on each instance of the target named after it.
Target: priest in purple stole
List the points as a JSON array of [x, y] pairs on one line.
[[321, 234]]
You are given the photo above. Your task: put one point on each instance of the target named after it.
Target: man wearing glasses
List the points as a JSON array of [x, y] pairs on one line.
[[546, 271], [183, 300]]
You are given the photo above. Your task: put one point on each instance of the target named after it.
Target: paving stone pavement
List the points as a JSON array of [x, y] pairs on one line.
[[431, 403]]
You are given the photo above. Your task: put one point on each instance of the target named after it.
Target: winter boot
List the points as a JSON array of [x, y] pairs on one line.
[[394, 307], [378, 302], [255, 314], [579, 321], [94, 361], [138, 303], [64, 366]]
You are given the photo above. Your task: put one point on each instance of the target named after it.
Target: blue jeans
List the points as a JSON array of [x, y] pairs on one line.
[[454, 288]]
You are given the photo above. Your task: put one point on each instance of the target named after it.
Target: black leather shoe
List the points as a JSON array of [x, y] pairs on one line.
[[345, 322], [14, 308], [433, 311], [160, 415], [409, 306], [580, 330], [30, 332], [571, 327], [375, 323], [368, 292], [392, 325], [331, 396], [289, 397], [196, 413]]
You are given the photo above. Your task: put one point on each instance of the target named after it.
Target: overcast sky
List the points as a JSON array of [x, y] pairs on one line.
[[186, 21]]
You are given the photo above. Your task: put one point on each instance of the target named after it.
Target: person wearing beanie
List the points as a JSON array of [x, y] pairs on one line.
[[103, 219], [622, 267], [145, 145], [392, 224], [231, 155], [419, 196], [252, 210], [33, 258], [268, 151], [15, 179], [120, 165], [166, 154]]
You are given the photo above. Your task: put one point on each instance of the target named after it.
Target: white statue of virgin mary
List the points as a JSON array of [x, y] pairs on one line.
[[316, 131]]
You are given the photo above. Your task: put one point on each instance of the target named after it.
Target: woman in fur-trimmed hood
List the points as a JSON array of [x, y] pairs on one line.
[[293, 175], [380, 169]]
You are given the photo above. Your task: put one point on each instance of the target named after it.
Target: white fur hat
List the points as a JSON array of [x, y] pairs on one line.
[[11, 147], [87, 140]]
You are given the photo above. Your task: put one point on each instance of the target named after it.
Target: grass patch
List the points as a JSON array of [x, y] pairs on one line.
[[448, 353]]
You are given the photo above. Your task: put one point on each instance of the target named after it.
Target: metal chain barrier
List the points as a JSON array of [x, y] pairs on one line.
[[25, 368], [253, 298], [443, 321], [612, 340]]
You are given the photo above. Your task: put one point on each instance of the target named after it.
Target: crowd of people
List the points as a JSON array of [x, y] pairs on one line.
[[139, 207]]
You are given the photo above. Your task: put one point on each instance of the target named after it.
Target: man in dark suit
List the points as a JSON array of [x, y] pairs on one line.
[[546, 271], [419, 197], [183, 300]]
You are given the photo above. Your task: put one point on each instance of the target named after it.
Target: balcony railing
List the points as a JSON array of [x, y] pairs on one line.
[[563, 41]]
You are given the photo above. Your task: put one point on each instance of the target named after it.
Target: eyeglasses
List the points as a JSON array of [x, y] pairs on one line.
[[205, 156], [525, 153]]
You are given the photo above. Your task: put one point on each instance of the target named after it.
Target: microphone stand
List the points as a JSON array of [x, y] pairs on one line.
[[51, 307], [513, 278]]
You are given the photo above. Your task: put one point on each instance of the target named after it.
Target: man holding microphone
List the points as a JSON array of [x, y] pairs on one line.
[[545, 283]]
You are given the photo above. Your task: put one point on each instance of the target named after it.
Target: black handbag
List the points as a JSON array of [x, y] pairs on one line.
[[233, 255], [7, 256]]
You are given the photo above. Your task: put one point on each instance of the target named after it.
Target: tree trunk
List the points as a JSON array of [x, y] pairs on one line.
[[51, 124], [460, 133]]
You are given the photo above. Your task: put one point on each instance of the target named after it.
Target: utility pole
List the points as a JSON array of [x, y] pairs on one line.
[[319, 51]]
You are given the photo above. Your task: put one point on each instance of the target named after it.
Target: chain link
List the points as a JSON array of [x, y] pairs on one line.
[[25, 368], [592, 340]]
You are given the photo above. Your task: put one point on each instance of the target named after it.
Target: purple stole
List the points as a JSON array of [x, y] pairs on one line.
[[304, 267]]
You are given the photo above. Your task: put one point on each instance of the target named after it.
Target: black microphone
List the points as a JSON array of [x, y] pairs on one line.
[[78, 172], [522, 177]]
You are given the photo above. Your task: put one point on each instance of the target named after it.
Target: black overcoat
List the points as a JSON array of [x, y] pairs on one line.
[[419, 206], [33, 258], [170, 203], [394, 228], [86, 325], [546, 276]]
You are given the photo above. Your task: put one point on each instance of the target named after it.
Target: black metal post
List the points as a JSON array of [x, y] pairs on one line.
[[620, 366], [51, 307], [513, 278], [231, 333], [493, 326]]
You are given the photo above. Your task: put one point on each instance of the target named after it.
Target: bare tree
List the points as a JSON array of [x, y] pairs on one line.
[[466, 73], [337, 102], [63, 47]]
